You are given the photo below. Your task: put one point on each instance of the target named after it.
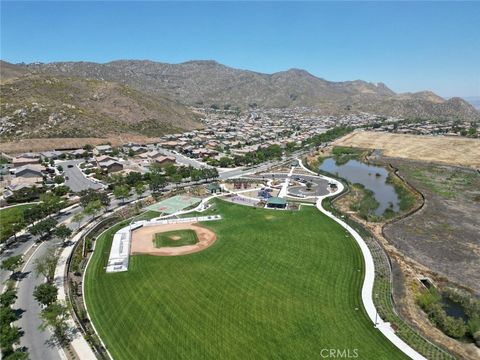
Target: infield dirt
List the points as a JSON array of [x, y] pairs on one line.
[[142, 240]]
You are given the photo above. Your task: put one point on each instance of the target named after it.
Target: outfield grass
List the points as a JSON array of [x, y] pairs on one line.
[[10, 216], [175, 238], [275, 284]]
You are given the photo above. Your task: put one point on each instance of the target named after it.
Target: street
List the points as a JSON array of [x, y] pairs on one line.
[[74, 178]]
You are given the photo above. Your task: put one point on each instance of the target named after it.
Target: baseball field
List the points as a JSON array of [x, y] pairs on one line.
[[275, 284]]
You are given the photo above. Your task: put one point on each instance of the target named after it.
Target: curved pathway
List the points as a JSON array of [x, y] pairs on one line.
[[367, 288]]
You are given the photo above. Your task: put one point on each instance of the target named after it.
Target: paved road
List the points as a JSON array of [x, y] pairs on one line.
[[24, 242], [37, 343], [76, 179]]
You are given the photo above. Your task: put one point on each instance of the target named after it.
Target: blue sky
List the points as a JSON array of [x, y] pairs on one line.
[[410, 46]]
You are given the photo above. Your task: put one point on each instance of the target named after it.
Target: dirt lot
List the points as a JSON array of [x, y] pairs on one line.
[[142, 240], [34, 145], [439, 149], [444, 234]]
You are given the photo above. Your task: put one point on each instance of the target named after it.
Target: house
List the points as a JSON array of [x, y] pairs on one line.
[[22, 161], [112, 166], [139, 149], [151, 155], [170, 144], [47, 155], [103, 149], [165, 161], [77, 152], [30, 171], [104, 159]]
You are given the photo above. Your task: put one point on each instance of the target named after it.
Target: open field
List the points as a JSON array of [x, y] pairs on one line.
[[440, 149], [443, 235], [8, 217], [275, 284], [175, 238]]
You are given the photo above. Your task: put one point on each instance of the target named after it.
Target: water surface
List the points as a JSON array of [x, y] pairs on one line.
[[372, 177]]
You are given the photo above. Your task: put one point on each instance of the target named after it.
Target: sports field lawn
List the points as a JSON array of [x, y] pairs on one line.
[[175, 238], [275, 285], [10, 216]]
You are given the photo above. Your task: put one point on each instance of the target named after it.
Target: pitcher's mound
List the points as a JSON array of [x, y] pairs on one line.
[[143, 240]]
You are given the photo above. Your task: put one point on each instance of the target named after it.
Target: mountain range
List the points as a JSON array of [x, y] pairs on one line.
[[146, 97]]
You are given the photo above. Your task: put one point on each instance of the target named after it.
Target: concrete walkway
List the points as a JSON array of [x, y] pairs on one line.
[[284, 189], [79, 344], [367, 288]]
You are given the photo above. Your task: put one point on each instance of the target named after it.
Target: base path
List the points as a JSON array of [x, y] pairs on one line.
[[143, 240]]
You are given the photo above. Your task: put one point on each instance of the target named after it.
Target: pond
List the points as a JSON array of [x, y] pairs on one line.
[[372, 177], [453, 309]]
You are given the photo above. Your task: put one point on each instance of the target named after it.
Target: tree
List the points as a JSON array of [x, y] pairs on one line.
[[157, 183], [9, 336], [88, 147], [8, 297], [30, 215], [139, 189], [121, 192], [45, 294], [62, 232], [87, 196], [290, 147], [177, 178], [12, 263], [7, 316], [46, 265], [18, 354], [59, 179], [309, 185], [224, 162], [170, 170], [61, 190], [17, 226], [78, 217], [44, 227], [55, 316], [51, 203], [133, 178], [60, 168], [92, 208]]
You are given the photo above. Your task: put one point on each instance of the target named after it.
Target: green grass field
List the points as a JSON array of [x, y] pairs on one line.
[[275, 285], [8, 217], [175, 238]]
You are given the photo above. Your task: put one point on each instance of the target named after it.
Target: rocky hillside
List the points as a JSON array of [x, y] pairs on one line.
[[210, 83], [44, 105]]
